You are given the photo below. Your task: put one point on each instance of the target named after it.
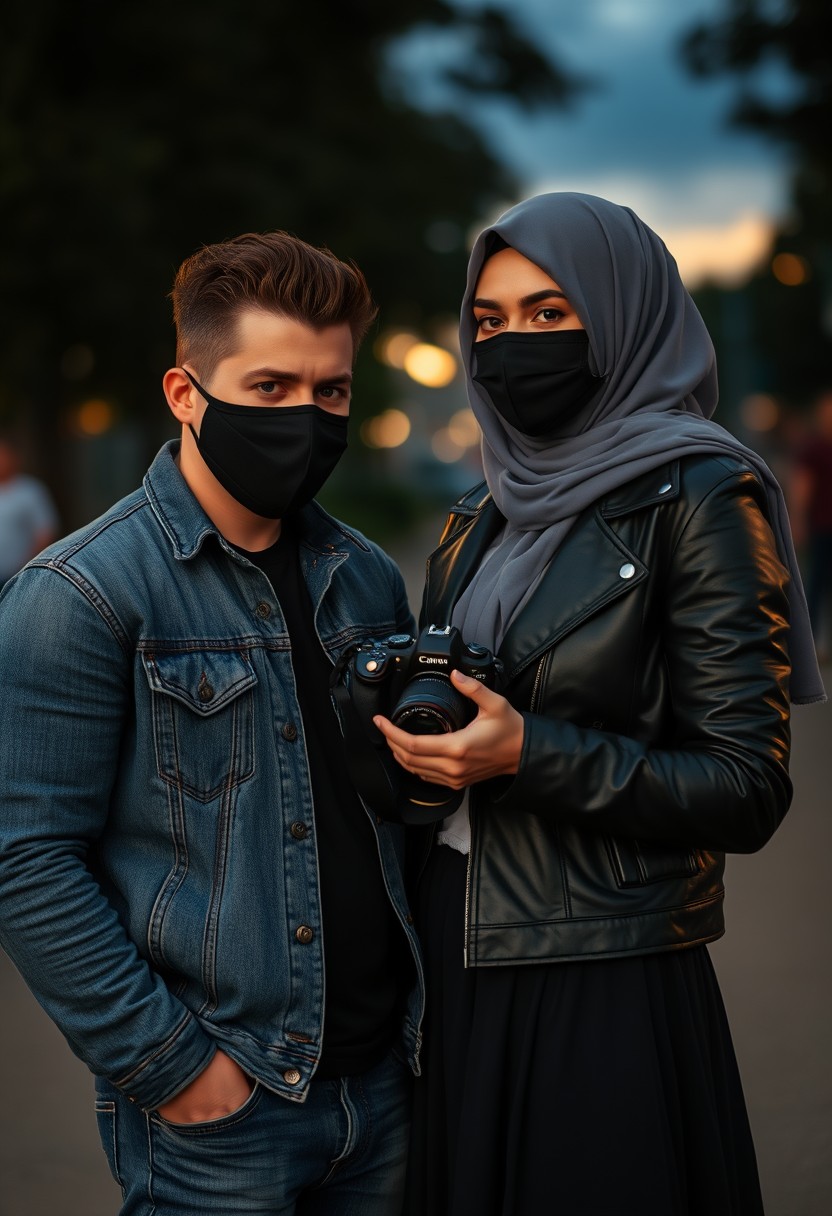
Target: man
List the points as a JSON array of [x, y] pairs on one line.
[[28, 519], [189, 883]]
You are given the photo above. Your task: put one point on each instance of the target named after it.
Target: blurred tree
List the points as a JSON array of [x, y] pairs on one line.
[[792, 317], [132, 134]]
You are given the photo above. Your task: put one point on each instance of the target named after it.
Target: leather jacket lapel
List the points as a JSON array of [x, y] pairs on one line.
[[590, 569], [452, 566]]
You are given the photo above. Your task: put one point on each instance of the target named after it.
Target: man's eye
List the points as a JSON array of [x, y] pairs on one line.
[[266, 386], [333, 392]]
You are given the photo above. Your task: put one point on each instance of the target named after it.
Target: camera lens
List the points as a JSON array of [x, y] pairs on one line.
[[431, 705]]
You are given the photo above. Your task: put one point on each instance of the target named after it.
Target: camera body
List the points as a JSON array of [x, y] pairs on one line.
[[408, 679]]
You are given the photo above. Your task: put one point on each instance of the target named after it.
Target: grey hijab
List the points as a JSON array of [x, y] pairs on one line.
[[650, 345]]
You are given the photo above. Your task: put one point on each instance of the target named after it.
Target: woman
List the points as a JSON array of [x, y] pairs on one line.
[[631, 564]]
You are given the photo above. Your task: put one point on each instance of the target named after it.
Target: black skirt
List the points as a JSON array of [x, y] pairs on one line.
[[597, 1088]]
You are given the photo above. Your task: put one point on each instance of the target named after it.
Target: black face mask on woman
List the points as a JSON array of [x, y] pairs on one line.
[[272, 459], [536, 382]]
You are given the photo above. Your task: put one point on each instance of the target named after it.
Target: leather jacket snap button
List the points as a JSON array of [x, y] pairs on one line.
[[627, 570], [664, 489], [304, 934], [291, 1076]]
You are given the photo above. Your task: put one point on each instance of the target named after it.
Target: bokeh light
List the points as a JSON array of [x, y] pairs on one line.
[[790, 269], [463, 429], [392, 348], [94, 417], [388, 430], [759, 412], [430, 365]]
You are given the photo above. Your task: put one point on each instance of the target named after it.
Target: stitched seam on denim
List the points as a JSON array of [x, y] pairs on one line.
[[93, 597], [176, 877], [123, 1082], [348, 1108], [209, 950], [149, 1166]]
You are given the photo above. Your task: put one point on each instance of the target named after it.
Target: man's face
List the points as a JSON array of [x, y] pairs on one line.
[[279, 361]]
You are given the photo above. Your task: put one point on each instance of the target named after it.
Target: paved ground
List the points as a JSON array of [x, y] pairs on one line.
[[774, 965]]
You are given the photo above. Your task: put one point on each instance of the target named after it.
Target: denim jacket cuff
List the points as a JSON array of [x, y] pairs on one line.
[[168, 1070]]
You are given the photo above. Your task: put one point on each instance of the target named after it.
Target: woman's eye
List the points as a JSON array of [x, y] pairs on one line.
[[489, 323], [548, 314]]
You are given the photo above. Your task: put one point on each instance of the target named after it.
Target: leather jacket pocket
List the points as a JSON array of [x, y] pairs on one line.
[[636, 863], [202, 718]]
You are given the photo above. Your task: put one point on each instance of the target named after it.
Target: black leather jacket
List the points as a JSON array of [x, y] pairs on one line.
[[652, 671]]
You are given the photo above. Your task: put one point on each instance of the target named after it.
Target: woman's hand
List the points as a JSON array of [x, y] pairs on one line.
[[220, 1089], [490, 746]]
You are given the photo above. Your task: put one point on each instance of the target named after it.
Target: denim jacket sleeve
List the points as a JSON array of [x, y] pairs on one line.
[[66, 679]]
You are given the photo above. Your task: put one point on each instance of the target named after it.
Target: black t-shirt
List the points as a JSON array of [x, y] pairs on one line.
[[364, 948]]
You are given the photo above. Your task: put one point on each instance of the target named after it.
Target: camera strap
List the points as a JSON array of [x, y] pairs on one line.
[[366, 765], [386, 788]]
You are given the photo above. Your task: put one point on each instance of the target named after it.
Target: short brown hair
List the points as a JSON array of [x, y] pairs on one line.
[[272, 271]]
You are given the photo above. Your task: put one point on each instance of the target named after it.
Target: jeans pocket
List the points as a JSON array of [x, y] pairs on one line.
[[213, 1126], [105, 1116]]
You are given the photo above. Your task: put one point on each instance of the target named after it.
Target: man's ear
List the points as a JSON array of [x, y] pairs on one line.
[[181, 396]]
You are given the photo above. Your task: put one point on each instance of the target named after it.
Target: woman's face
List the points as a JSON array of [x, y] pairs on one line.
[[514, 295]]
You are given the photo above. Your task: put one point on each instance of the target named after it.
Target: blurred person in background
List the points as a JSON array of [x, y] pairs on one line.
[[28, 518], [631, 564], [188, 881], [811, 516]]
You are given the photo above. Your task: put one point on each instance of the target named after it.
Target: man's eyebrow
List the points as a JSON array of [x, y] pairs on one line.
[[548, 293], [272, 373], [340, 378]]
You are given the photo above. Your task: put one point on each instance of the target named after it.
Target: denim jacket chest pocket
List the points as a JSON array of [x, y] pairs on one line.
[[202, 718]]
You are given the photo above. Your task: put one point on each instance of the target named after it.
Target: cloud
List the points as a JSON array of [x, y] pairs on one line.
[[649, 135]]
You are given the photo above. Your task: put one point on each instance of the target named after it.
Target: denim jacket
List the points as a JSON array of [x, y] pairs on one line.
[[157, 844]]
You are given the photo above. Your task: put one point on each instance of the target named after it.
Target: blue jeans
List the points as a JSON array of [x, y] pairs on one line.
[[341, 1153]]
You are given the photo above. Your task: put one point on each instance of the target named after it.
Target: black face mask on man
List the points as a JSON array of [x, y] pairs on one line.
[[536, 382], [271, 459]]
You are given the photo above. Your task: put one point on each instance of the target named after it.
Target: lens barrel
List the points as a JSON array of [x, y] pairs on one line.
[[430, 705]]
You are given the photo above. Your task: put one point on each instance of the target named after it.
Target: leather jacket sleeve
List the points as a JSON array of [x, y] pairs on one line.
[[719, 780]]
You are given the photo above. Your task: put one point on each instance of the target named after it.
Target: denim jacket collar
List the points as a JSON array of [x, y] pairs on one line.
[[186, 524]]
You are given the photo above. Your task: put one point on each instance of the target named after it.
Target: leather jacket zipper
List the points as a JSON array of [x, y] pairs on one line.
[[468, 881], [537, 681]]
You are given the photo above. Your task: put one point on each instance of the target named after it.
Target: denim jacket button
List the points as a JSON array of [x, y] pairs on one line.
[[263, 610], [289, 732], [291, 1076], [304, 934], [205, 690], [299, 831]]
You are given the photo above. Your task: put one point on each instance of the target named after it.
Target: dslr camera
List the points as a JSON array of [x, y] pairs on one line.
[[407, 680]]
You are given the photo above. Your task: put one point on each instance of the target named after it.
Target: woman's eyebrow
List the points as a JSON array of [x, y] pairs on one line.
[[548, 293]]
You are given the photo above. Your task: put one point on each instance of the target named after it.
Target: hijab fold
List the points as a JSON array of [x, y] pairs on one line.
[[650, 347]]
